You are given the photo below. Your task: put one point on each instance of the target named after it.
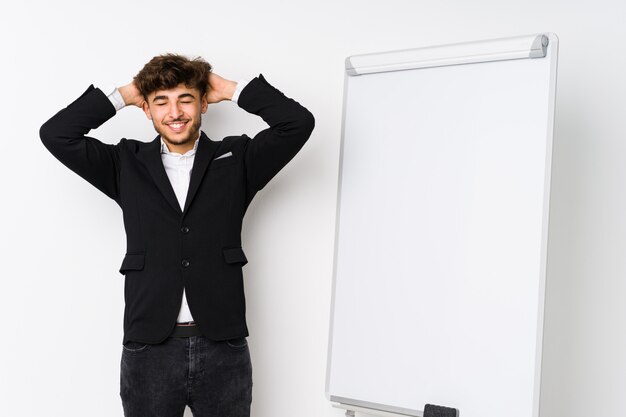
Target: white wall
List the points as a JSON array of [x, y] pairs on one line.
[[62, 240]]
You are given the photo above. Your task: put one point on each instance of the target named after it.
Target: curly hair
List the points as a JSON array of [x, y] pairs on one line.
[[166, 71]]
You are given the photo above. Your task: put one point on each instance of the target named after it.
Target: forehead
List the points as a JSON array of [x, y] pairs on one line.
[[174, 93]]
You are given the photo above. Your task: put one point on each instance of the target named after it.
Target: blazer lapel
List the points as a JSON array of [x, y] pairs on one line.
[[150, 155], [204, 154]]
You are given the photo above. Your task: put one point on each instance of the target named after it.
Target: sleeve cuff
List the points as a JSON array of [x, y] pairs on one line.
[[116, 99], [241, 84]]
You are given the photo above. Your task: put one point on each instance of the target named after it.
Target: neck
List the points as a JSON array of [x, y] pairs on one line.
[[182, 148]]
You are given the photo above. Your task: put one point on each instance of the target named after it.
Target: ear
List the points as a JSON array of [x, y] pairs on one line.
[[205, 103], [146, 109]]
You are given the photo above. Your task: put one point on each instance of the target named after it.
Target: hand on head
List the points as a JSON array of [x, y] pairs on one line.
[[219, 88], [131, 95]]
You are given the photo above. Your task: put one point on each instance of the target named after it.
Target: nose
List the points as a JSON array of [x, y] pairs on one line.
[[175, 111]]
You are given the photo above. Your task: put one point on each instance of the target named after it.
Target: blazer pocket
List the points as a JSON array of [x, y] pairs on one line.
[[235, 255], [132, 262], [221, 162]]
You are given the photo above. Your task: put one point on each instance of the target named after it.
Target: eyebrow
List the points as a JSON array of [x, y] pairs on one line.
[[184, 95]]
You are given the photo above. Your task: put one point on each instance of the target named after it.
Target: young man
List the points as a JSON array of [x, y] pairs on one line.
[[183, 198]]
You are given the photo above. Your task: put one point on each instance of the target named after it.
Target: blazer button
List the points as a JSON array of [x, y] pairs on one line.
[[185, 263], [184, 229]]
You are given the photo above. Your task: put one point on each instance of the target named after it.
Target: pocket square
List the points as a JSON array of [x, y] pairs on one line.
[[224, 156]]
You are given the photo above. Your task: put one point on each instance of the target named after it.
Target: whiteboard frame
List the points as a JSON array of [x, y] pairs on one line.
[[419, 58]]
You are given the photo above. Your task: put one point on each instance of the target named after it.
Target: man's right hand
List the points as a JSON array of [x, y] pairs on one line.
[[131, 95]]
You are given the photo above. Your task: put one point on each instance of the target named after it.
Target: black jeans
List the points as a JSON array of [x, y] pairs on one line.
[[213, 378]]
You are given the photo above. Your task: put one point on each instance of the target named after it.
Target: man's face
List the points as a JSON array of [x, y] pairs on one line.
[[176, 113]]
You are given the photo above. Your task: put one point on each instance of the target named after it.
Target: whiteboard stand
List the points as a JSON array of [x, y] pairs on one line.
[[352, 409]]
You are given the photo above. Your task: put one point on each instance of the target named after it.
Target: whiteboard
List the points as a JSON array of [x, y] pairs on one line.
[[441, 231]]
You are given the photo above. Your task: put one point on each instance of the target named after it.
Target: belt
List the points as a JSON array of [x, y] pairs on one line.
[[186, 329]]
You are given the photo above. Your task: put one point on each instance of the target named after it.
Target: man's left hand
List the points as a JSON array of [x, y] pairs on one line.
[[220, 88]]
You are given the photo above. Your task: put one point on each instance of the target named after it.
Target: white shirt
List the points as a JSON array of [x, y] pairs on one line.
[[178, 169]]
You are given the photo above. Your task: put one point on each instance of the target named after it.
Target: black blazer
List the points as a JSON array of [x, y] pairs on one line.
[[198, 248]]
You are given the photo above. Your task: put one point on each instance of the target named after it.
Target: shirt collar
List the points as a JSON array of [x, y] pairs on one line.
[[164, 148]]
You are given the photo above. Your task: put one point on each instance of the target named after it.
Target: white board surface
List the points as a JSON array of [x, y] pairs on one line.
[[440, 247]]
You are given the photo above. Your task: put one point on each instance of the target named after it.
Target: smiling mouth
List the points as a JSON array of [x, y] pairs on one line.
[[177, 127]]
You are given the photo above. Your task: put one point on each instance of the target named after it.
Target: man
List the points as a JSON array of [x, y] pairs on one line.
[[183, 198]]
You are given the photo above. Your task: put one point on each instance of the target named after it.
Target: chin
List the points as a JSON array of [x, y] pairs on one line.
[[178, 141]]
